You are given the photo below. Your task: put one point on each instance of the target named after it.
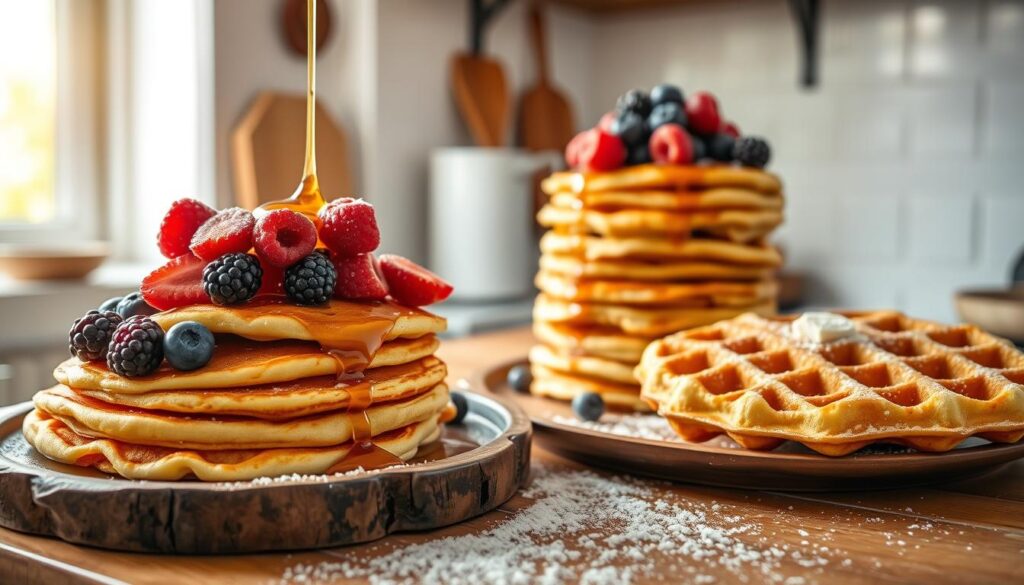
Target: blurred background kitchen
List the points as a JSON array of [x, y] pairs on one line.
[[897, 127]]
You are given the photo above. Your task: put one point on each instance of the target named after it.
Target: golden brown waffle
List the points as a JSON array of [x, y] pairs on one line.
[[900, 380], [664, 176]]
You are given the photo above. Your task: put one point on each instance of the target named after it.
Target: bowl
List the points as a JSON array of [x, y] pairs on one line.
[[998, 311], [53, 261]]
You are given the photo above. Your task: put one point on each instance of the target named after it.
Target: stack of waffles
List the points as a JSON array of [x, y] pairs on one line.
[[893, 380], [639, 252], [289, 389]]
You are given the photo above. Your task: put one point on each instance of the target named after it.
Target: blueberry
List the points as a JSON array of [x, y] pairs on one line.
[[638, 154], [110, 304], [133, 304], [700, 149], [634, 100], [188, 346], [631, 128], [720, 147], [461, 407], [588, 406], [520, 377], [666, 93], [666, 113]]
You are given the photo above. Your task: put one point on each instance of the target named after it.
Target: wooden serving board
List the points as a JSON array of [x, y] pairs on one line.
[[721, 462], [475, 467]]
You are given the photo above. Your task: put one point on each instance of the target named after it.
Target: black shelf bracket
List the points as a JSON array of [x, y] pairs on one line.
[[480, 13], [807, 14]]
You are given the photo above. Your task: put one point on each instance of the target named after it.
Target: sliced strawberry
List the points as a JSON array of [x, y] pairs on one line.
[[283, 237], [177, 283], [670, 144], [359, 277], [179, 225], [349, 227], [411, 284], [227, 232]]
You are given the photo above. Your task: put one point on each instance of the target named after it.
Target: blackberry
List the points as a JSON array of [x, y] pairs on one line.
[[233, 278], [310, 281], [90, 335], [136, 348], [752, 151], [631, 128], [634, 100], [720, 147]]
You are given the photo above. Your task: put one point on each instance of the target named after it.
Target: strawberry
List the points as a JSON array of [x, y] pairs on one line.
[[730, 128], [283, 237], [227, 232], [177, 283], [349, 227], [702, 113], [359, 277], [671, 144], [179, 225], [600, 151], [411, 284]]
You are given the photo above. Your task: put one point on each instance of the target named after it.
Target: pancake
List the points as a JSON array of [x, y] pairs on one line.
[[552, 384], [651, 176], [699, 249], [583, 365], [605, 342], [720, 198], [737, 225], [697, 294], [650, 271], [240, 362], [56, 441], [638, 321], [94, 418], [290, 399]]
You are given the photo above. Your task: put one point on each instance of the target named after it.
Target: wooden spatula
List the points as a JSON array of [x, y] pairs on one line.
[[481, 94], [546, 118]]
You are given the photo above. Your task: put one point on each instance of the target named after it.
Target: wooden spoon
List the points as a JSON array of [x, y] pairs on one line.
[[481, 94], [546, 118]]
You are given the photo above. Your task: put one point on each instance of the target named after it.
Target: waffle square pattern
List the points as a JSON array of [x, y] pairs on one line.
[[895, 379]]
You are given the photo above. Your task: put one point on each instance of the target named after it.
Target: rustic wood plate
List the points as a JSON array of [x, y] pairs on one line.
[[721, 462], [475, 467]]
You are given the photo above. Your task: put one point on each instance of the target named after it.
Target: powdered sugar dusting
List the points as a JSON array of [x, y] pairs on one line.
[[640, 426]]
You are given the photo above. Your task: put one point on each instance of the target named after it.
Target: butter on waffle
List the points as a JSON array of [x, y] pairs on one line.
[[898, 380]]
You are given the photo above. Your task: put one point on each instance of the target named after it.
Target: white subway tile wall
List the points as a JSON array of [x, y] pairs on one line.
[[905, 166]]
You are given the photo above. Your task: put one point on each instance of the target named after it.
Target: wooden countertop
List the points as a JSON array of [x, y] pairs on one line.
[[968, 532]]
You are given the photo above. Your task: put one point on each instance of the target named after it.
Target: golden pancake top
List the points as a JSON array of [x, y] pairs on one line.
[[664, 176]]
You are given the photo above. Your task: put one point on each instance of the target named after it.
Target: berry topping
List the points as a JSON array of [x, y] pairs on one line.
[[631, 129], [671, 144], [311, 281], [572, 150], [667, 113], [730, 129], [606, 121], [179, 225], [282, 237], [177, 283], [110, 304], [634, 100], [461, 407], [720, 146], [600, 151], [702, 112], [411, 284], [227, 232], [136, 348], [232, 278], [349, 227], [90, 335], [665, 93], [588, 406], [752, 151], [188, 346], [134, 304], [700, 149], [520, 377], [639, 154], [359, 277], [272, 281]]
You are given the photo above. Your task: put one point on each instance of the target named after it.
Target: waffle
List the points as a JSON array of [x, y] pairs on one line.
[[898, 380]]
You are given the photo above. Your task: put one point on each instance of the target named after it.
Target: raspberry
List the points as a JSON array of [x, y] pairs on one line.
[[702, 113], [671, 144], [177, 283], [179, 225], [282, 237], [136, 348], [272, 281], [730, 129], [752, 151], [359, 278], [411, 284], [349, 227], [228, 231], [600, 151], [311, 281], [232, 278], [90, 335]]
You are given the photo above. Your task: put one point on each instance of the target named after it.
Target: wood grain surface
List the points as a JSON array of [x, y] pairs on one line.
[[966, 532]]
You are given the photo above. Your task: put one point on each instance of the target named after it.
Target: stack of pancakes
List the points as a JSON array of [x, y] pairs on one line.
[[641, 252], [289, 389]]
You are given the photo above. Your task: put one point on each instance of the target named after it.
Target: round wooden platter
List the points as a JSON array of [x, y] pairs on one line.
[[721, 462], [475, 467]]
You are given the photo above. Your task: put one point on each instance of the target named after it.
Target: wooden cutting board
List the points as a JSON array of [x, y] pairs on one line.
[[545, 115]]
